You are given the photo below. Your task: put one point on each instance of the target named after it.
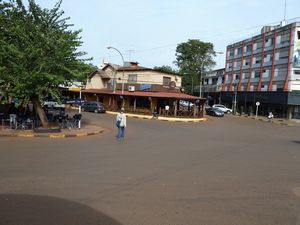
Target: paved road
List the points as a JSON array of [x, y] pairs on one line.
[[227, 171]]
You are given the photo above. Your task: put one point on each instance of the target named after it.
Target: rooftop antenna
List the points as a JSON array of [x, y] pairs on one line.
[[284, 15], [129, 54]]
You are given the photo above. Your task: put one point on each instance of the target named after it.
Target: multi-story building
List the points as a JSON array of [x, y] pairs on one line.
[[265, 69], [212, 82]]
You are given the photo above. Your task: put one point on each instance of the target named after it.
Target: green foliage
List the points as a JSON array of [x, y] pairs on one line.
[[166, 69], [192, 57], [38, 50]]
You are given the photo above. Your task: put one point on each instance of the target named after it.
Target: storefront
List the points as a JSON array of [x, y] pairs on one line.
[[162, 103]]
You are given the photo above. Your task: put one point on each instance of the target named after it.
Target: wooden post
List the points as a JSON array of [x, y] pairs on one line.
[[175, 108], [195, 109], [134, 104]]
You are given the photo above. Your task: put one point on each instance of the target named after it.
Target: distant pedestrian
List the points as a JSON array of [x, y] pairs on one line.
[[270, 116], [155, 114], [121, 124], [167, 108]]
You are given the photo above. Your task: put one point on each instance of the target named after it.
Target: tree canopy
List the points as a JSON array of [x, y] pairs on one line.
[[165, 68], [38, 50], [192, 57]]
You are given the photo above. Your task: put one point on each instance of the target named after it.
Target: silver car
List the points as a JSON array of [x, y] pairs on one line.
[[222, 108]]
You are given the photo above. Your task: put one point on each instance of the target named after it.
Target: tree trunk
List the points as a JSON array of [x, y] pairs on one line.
[[40, 111]]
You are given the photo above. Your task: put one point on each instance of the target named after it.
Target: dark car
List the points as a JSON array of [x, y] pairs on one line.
[[214, 112], [96, 107]]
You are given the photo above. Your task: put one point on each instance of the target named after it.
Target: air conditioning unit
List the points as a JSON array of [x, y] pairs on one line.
[[131, 88]]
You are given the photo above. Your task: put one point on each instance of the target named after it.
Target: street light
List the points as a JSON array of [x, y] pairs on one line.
[[110, 47], [202, 65]]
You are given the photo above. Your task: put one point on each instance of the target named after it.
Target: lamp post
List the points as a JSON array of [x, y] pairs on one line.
[[110, 47], [202, 69]]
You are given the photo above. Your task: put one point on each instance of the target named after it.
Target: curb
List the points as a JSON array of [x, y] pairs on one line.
[[145, 117], [53, 135], [266, 121]]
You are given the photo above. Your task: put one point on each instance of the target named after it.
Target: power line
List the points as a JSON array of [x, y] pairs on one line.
[[221, 36]]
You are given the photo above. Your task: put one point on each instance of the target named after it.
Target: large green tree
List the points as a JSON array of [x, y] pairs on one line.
[[193, 57], [38, 52]]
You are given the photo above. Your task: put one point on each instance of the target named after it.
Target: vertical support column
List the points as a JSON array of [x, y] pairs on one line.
[[151, 105], [134, 104], [232, 72], [224, 84], [175, 107], [262, 62], [273, 63], [286, 82], [241, 67], [251, 61], [290, 112], [109, 101], [195, 107]]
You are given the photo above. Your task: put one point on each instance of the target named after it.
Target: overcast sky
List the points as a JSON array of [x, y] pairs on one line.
[[147, 31]]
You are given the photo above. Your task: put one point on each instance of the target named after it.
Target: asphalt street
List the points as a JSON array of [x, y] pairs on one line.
[[226, 171]]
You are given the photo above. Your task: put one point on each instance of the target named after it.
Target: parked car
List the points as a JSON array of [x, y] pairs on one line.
[[96, 107], [214, 112], [52, 103], [222, 108]]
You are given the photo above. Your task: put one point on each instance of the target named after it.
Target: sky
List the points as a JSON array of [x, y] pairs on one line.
[[148, 31]]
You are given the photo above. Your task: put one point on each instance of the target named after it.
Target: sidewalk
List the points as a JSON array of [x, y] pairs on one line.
[[86, 130], [279, 121], [161, 118]]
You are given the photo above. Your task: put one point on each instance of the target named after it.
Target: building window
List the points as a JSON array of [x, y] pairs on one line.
[[214, 81], [256, 74], [257, 61], [248, 48], [239, 51], [132, 78], [166, 81]]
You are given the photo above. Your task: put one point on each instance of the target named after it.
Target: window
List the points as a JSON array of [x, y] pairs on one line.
[[257, 61], [278, 39], [298, 35], [256, 74], [249, 48], [239, 51], [166, 81], [297, 72], [276, 72], [214, 80], [132, 78]]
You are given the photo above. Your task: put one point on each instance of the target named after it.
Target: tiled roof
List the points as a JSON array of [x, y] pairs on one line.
[[133, 68], [101, 73], [173, 95]]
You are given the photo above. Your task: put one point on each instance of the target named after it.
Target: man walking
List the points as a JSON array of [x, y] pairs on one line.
[[121, 124]]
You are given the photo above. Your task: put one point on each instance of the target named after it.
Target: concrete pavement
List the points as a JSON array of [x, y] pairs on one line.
[[226, 171]]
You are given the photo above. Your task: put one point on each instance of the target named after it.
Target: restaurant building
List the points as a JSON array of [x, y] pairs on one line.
[[141, 90]]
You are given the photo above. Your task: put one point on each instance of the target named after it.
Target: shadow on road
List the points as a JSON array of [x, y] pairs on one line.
[[297, 142], [21, 209]]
